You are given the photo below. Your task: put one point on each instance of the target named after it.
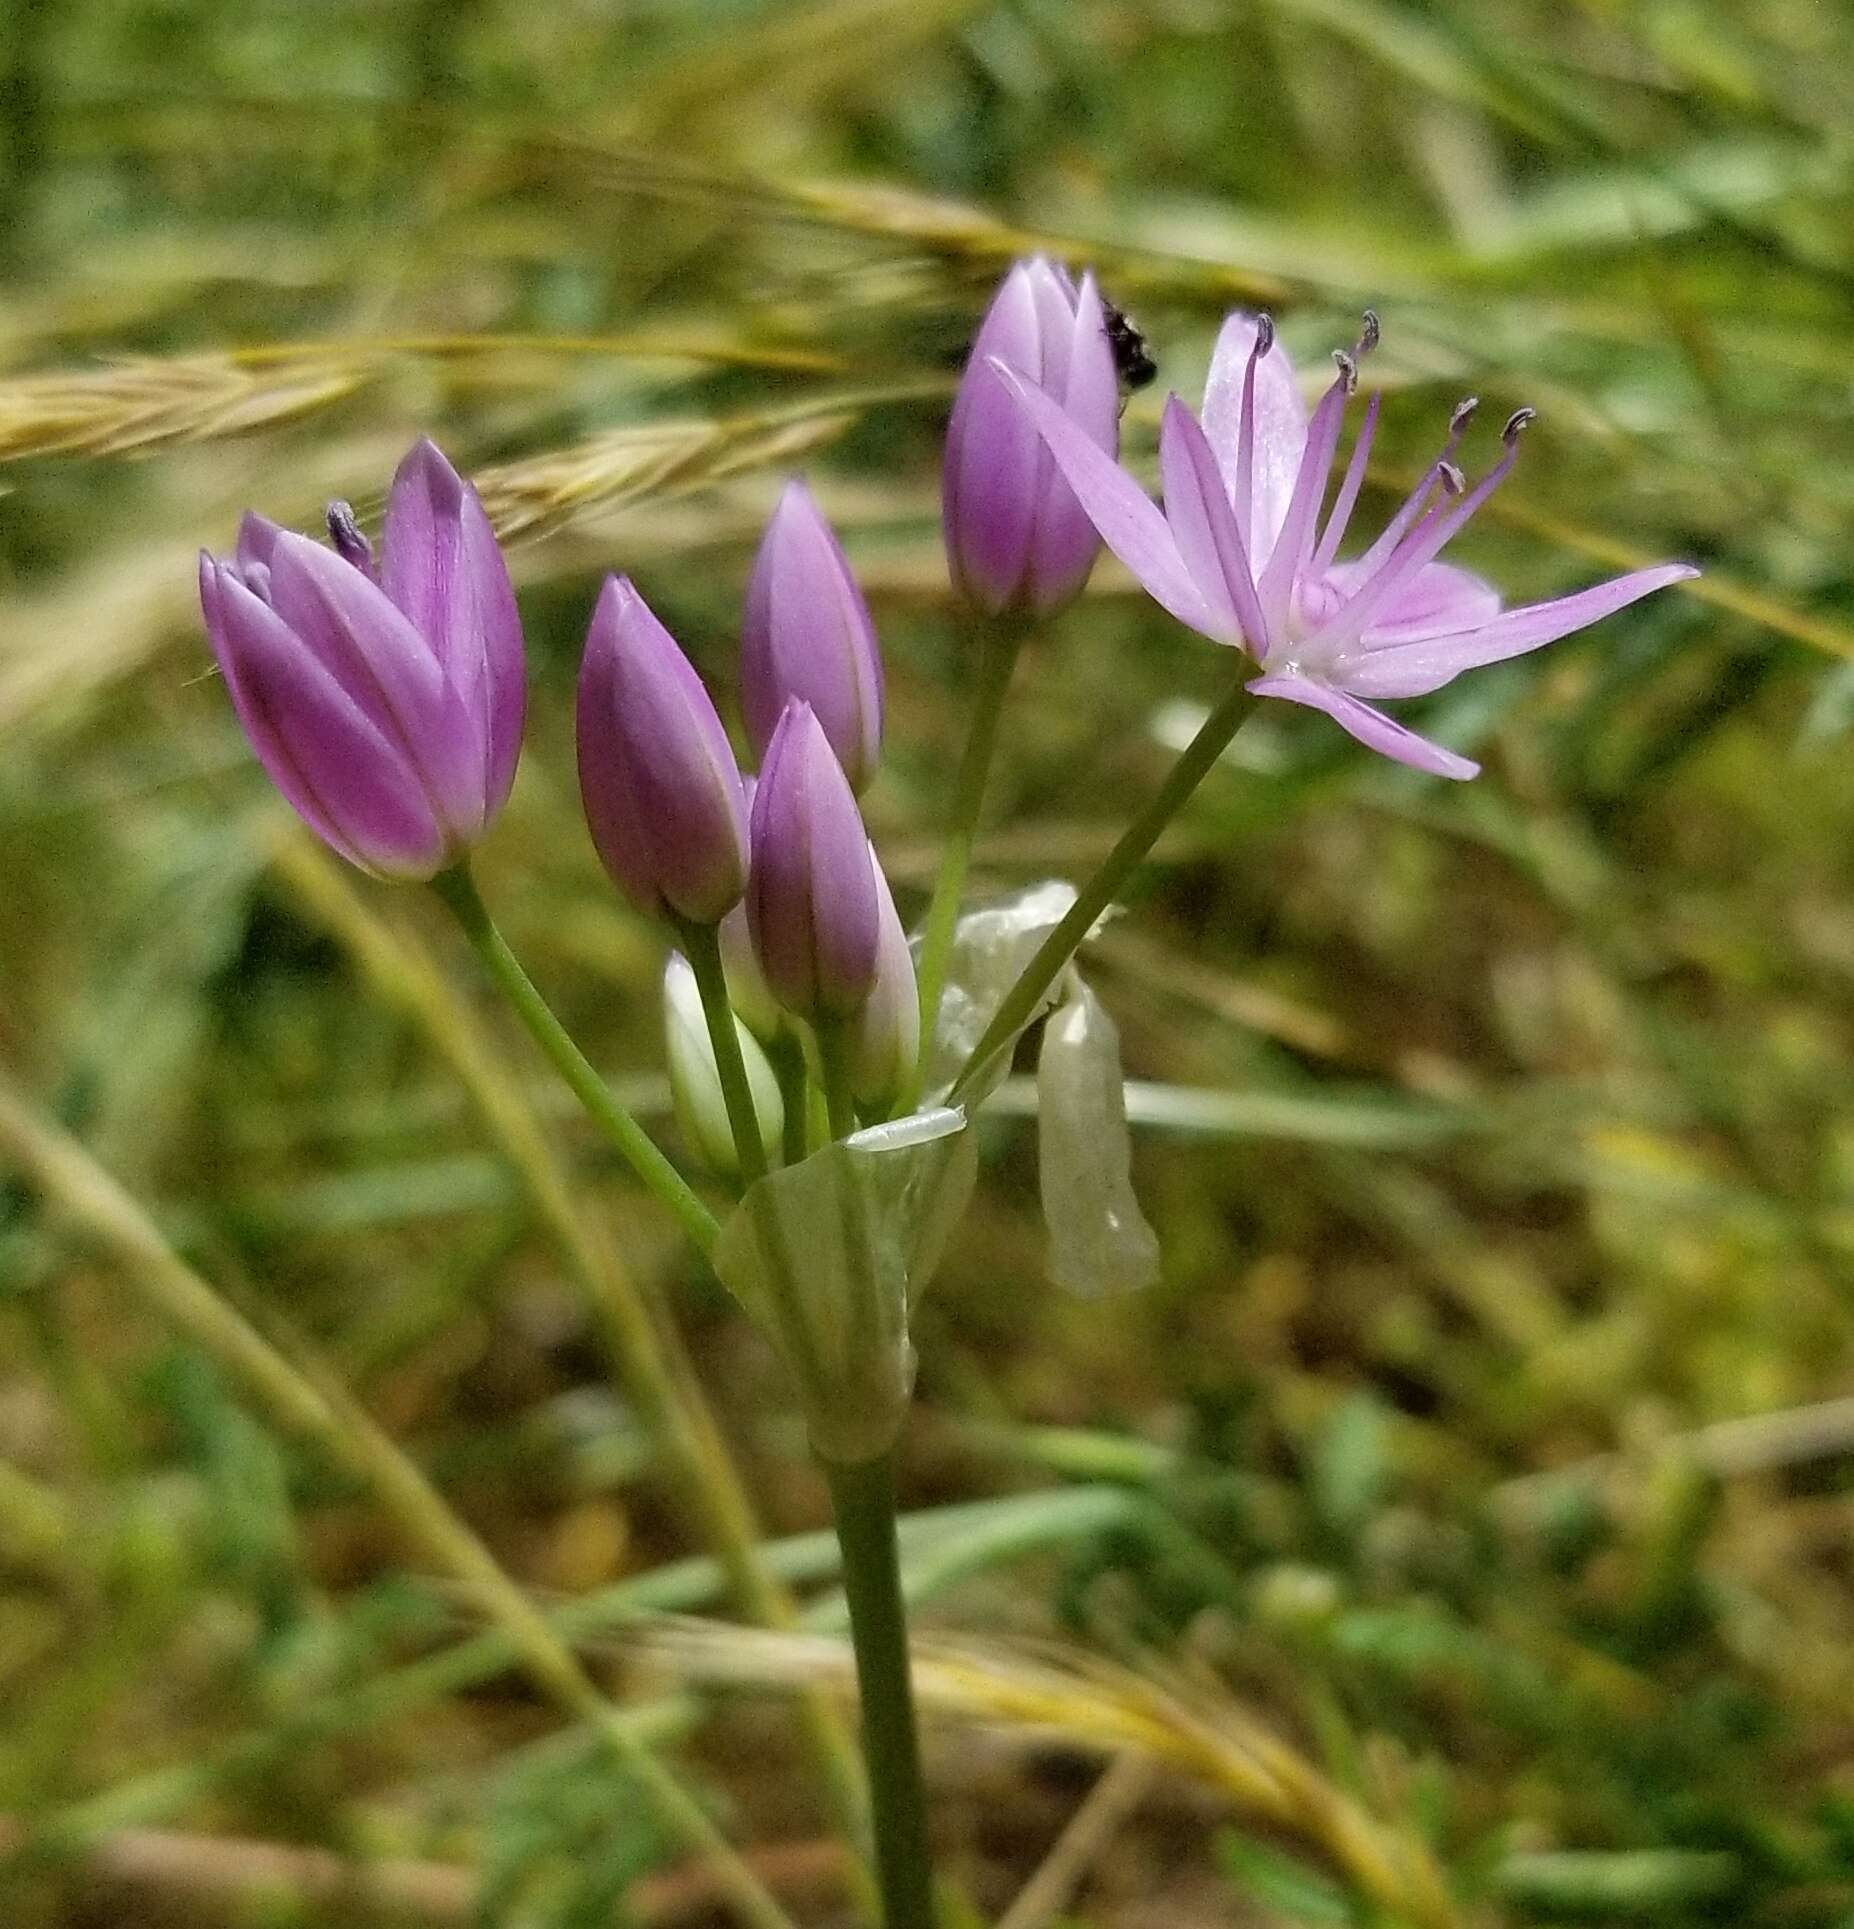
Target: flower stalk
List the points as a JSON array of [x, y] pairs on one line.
[[702, 948], [999, 643], [863, 1499], [457, 888], [713, 1475], [1194, 764]]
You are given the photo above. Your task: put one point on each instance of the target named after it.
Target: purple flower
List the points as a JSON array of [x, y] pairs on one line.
[[807, 634], [388, 711], [1240, 552], [1015, 535], [812, 903], [886, 1038], [657, 774]]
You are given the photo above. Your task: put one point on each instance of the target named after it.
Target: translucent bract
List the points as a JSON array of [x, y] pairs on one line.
[[829, 1256], [1099, 1241]]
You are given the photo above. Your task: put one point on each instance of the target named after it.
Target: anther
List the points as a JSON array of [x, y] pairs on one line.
[[1264, 336], [1348, 369], [1367, 333], [1454, 483], [351, 544], [1464, 413], [1518, 421]]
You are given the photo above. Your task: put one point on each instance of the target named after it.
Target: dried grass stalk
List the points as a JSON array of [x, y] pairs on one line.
[[1197, 1729], [127, 407], [659, 460]]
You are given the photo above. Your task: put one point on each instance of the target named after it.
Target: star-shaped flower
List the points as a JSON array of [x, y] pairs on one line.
[[1240, 551]]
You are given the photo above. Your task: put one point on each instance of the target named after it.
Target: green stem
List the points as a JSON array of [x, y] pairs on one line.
[[998, 649], [864, 1499], [702, 947], [788, 1063], [458, 890], [1194, 764], [839, 1099]]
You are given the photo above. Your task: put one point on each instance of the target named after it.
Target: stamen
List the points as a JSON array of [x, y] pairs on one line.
[[1417, 500], [1454, 483], [1334, 531], [1348, 370], [1295, 542], [350, 541], [1245, 438], [1516, 425], [1367, 334], [1424, 545]]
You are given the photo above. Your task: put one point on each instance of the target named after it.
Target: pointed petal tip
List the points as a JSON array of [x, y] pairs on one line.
[[426, 466], [1369, 726]]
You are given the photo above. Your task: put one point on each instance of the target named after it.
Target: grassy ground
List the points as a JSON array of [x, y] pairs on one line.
[[1461, 1532]]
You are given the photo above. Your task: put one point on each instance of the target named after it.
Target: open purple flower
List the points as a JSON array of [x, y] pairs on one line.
[[387, 710], [1240, 552]]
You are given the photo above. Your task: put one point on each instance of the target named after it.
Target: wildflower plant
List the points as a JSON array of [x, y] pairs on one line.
[[825, 1070]]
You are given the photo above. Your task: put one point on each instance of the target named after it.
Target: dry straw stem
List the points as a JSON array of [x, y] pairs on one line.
[[237, 1875], [312, 1406], [131, 406], [973, 243], [1123, 1785], [1095, 1704], [953, 233], [122, 604], [123, 408], [664, 459], [656, 1372]]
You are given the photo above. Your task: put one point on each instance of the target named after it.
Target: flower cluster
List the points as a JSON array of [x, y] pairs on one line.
[[386, 699], [386, 696], [387, 703]]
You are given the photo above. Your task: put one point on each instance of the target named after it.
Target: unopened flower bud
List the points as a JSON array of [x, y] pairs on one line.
[[806, 633], [695, 1079], [388, 712], [886, 1037], [812, 904], [1016, 537], [662, 791]]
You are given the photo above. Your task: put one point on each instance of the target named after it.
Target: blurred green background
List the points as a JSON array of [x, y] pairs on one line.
[[1482, 1440]]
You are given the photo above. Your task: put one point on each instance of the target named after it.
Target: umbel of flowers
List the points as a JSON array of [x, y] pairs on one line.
[[385, 696]]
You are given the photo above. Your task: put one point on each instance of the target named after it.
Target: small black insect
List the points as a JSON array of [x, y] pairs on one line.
[[1133, 361]]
